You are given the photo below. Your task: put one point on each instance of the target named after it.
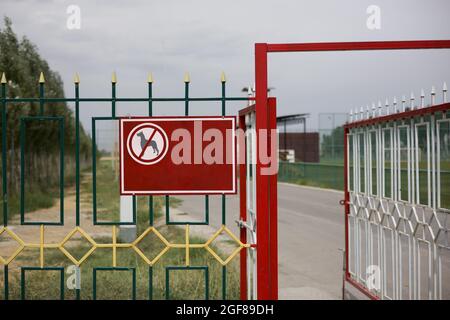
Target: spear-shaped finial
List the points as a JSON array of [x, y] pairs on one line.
[[386, 104], [356, 114], [433, 95], [350, 116], [362, 113], [368, 111], [380, 112], [444, 92], [114, 77], [187, 78], [394, 104], [150, 78], [411, 99], [3, 78], [403, 103], [222, 77], [422, 98], [41, 78], [76, 78]]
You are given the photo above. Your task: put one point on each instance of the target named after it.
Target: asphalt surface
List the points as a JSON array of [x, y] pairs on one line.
[[311, 232]]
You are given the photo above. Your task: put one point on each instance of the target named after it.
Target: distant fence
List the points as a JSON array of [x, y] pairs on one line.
[[331, 176]]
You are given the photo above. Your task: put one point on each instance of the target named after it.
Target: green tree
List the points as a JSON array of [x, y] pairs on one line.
[[21, 63]]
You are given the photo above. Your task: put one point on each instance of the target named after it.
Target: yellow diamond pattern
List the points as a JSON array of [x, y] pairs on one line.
[[114, 245]]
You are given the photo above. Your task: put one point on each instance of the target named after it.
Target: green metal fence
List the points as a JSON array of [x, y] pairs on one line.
[[42, 245]]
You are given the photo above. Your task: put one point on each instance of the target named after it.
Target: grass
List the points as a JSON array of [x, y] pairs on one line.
[[36, 197], [184, 284], [331, 176], [113, 285]]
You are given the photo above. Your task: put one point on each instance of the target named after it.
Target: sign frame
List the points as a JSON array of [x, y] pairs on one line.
[[153, 119]]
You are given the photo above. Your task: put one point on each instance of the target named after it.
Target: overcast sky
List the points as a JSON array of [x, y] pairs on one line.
[[205, 37]]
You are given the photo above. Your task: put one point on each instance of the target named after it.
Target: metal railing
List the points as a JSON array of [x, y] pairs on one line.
[[397, 207], [42, 245]]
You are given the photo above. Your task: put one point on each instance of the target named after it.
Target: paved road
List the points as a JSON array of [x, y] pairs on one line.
[[311, 231]]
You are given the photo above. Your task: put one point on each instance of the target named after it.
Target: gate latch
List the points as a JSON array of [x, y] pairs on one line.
[[243, 224]]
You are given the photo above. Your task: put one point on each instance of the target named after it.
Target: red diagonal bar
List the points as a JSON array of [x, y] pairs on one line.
[[147, 143]]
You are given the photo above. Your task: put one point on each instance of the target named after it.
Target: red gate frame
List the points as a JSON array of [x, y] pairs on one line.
[[267, 258]]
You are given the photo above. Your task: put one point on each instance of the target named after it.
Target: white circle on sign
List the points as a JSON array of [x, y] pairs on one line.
[[147, 143]]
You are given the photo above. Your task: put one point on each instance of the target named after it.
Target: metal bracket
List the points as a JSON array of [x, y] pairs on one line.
[[243, 224]]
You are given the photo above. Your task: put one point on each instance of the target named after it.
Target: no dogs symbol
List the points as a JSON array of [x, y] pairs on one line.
[[147, 143]]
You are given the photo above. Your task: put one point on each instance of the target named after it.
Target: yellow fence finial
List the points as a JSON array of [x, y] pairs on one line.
[[150, 78], [222, 77], [187, 79], [3, 78], [76, 78], [41, 78], [114, 78]]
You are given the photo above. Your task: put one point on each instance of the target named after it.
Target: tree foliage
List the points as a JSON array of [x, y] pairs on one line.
[[22, 64]]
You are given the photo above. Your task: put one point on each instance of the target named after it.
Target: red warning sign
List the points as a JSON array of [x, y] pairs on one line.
[[172, 155]]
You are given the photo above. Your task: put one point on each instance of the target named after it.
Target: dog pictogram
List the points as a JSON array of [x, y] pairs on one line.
[[147, 143]]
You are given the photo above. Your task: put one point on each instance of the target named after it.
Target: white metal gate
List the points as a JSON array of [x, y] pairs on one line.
[[398, 199]]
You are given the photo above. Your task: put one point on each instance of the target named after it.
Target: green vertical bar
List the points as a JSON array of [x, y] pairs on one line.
[[186, 98], [77, 156], [206, 283], [41, 97], [224, 282], [78, 294], [207, 209], [150, 114], [22, 171], [224, 221], [94, 285], [167, 284], [94, 172], [61, 171], [223, 114], [133, 272], [61, 284], [223, 98], [150, 99], [150, 283], [4, 164], [167, 210], [113, 100], [224, 218], [150, 206], [6, 282], [22, 284], [134, 210]]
